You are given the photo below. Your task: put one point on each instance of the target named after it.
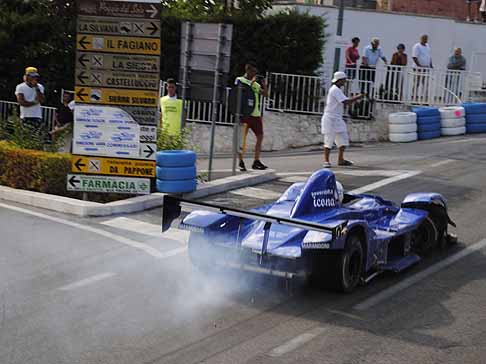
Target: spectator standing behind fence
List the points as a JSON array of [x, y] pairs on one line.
[[472, 5], [64, 121], [171, 109], [456, 63], [253, 121], [352, 58], [30, 96], [422, 58], [372, 54], [332, 124], [394, 76]]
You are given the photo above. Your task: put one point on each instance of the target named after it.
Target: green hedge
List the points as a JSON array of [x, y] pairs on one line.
[[34, 170], [285, 42]]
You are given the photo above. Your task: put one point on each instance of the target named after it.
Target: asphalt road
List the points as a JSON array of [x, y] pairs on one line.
[[114, 290]]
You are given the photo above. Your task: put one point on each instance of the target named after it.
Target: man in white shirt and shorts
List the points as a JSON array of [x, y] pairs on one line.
[[30, 96], [332, 124]]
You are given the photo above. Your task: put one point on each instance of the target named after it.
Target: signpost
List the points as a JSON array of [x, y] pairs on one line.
[[116, 93], [107, 184]]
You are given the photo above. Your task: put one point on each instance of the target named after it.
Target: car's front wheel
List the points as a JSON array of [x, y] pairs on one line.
[[425, 237]]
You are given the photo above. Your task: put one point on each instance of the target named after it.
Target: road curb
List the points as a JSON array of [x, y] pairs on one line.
[[86, 208]]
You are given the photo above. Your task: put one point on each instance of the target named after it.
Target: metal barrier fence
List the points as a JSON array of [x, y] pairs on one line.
[[416, 85], [202, 111], [10, 108], [295, 93]]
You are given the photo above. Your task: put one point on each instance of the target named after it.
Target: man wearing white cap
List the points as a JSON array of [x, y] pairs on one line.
[[332, 124]]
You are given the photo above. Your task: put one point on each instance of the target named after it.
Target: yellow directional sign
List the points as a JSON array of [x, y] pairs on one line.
[[111, 44], [118, 26], [117, 62], [146, 81], [95, 95], [112, 166]]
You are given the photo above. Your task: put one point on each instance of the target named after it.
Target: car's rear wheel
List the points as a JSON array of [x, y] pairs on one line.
[[425, 237]]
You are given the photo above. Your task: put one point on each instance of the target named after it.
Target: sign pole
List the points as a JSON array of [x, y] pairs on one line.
[[236, 127], [186, 69], [217, 68]]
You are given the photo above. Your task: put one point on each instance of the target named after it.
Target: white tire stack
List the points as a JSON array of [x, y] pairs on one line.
[[402, 127], [453, 121]]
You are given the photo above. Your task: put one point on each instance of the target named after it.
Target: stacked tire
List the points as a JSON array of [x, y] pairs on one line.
[[453, 120], [176, 171], [475, 117], [402, 127], [428, 122]]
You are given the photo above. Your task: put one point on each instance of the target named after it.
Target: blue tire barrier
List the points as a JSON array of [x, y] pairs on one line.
[[175, 158], [426, 111], [474, 108], [476, 119], [423, 128], [177, 186], [174, 173], [429, 135], [422, 120], [475, 128]]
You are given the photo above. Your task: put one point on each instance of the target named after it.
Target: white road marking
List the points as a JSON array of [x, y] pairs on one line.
[[389, 292], [296, 342], [351, 172], [294, 179], [384, 182], [87, 281], [466, 140], [441, 163], [120, 239], [256, 193], [145, 228]]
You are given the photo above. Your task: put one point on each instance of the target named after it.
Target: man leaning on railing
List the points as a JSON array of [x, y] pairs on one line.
[[423, 59]]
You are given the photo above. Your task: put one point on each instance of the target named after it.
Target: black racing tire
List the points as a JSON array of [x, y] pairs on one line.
[[426, 237]]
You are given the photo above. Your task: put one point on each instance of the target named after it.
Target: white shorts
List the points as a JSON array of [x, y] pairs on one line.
[[341, 139]]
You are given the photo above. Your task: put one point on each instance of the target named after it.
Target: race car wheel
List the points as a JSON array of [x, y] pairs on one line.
[[425, 238], [350, 265]]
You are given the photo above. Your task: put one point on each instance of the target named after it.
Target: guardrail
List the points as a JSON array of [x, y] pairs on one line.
[[416, 85], [10, 108]]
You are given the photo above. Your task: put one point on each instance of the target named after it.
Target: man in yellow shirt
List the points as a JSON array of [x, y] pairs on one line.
[[253, 121], [171, 109]]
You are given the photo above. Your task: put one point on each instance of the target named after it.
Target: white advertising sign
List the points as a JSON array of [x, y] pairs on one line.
[[105, 131]]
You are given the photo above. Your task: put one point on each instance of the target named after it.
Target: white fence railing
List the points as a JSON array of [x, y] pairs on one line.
[[391, 84], [10, 108]]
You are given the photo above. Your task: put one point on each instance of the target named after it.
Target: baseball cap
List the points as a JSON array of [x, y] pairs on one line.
[[31, 71], [338, 76]]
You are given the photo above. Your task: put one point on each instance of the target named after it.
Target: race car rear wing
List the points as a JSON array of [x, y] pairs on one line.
[[172, 208]]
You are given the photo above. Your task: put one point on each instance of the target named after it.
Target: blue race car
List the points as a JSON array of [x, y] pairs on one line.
[[316, 230]]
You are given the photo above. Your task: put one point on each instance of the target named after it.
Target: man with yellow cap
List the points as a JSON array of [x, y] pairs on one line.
[[30, 96]]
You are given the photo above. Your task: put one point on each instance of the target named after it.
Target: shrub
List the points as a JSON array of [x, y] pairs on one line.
[[34, 170]]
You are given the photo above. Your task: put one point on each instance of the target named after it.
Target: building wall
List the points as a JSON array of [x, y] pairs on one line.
[[393, 28], [452, 8]]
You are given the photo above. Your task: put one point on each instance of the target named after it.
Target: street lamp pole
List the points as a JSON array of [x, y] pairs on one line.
[[339, 33]]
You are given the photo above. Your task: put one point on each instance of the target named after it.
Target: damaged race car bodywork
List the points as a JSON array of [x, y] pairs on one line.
[[314, 232]]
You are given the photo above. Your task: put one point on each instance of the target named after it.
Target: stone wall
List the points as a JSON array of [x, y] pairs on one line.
[[287, 130]]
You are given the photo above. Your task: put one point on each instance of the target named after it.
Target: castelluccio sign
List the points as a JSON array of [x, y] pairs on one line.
[[84, 183]]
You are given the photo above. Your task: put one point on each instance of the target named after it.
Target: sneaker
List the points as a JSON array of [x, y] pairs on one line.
[[258, 165], [326, 165], [345, 163], [242, 166]]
